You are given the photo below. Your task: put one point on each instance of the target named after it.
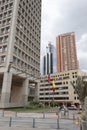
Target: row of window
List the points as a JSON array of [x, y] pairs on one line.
[[2, 59], [24, 35], [58, 83], [6, 6], [35, 6], [28, 26], [55, 98], [69, 66], [76, 98], [57, 79], [5, 14], [22, 54], [2, 2], [4, 39], [30, 61], [56, 93], [30, 13], [5, 22], [28, 49], [3, 49], [4, 30], [25, 32], [57, 88], [24, 66], [26, 58], [64, 76], [22, 41]]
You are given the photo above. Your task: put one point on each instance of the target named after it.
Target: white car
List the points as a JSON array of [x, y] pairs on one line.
[[72, 107]]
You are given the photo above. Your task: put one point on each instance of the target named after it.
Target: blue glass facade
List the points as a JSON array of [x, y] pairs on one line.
[[49, 60]]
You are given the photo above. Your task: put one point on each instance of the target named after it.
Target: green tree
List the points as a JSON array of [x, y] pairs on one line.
[[81, 88]]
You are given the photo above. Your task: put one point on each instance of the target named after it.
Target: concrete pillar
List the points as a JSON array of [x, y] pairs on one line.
[[25, 91], [37, 90], [28, 89], [12, 32], [6, 88]]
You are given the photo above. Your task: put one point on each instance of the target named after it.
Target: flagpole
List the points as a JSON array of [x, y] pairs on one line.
[[53, 87], [49, 86], [49, 96], [44, 93], [53, 98]]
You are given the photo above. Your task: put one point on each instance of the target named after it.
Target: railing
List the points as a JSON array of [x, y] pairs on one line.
[[49, 120], [29, 122]]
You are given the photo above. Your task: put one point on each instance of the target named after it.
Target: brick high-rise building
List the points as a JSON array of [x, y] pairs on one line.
[[20, 36], [66, 52]]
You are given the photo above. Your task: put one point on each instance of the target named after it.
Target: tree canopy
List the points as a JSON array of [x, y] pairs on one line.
[[81, 87]]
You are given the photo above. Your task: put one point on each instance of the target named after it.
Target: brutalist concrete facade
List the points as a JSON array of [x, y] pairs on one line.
[[64, 91], [20, 34]]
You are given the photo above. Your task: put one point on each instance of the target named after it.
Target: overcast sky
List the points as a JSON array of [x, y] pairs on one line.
[[62, 16]]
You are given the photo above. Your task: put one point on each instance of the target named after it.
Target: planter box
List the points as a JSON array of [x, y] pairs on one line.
[[83, 125]]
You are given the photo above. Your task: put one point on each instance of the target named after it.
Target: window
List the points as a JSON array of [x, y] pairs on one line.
[[4, 48], [0, 49], [4, 22], [6, 38], [3, 58], [2, 30], [15, 50], [1, 39], [7, 29]]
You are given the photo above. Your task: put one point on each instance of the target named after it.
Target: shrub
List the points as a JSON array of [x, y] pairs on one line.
[[83, 116]]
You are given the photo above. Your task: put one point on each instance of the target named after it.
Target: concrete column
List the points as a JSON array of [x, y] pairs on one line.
[[12, 32], [25, 91], [6, 87], [37, 90]]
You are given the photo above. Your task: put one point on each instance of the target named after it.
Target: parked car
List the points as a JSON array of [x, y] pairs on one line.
[[72, 107]]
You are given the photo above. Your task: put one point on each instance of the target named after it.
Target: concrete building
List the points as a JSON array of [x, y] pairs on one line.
[[66, 52], [20, 34], [49, 65], [64, 91]]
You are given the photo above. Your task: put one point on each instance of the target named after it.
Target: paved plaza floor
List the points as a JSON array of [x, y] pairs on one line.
[[64, 123]]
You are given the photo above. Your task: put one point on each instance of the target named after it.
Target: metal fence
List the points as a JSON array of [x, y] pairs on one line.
[[29, 122], [52, 120]]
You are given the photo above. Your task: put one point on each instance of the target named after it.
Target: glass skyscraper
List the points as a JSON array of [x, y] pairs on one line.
[[49, 60]]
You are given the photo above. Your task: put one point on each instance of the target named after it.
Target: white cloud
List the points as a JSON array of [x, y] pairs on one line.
[[82, 51], [60, 16], [82, 46]]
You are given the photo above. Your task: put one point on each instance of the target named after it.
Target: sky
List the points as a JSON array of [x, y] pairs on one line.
[[62, 16]]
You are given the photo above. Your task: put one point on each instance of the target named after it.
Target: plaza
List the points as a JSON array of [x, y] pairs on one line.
[[39, 121]]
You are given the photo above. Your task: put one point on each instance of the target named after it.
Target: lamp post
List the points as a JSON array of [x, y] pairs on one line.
[[49, 86]]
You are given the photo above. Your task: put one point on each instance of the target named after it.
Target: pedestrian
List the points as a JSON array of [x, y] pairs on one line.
[[64, 112]]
